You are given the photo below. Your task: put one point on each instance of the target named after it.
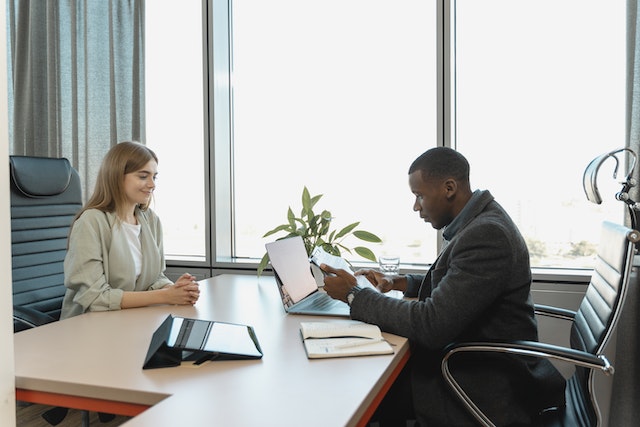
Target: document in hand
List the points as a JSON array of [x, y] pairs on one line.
[[320, 256], [342, 339]]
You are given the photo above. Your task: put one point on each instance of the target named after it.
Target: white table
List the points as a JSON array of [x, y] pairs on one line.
[[94, 362]]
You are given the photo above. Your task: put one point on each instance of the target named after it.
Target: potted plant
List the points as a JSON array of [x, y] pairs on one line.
[[315, 230]]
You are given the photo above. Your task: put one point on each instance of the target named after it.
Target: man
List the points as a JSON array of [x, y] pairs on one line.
[[478, 289]]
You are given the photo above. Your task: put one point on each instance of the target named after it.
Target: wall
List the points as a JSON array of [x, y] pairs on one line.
[[7, 383]]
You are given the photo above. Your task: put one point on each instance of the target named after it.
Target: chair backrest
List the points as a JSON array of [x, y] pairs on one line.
[[599, 311], [45, 196]]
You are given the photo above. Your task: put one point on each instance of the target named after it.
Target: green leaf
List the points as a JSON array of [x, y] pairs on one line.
[[333, 250], [346, 249], [315, 199], [325, 220], [346, 230], [307, 207], [302, 230], [324, 229], [326, 215], [306, 198], [283, 227], [314, 221], [367, 236], [308, 246], [365, 253], [263, 264]]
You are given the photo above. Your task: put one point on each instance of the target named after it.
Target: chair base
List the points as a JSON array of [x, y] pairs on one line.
[[54, 416]]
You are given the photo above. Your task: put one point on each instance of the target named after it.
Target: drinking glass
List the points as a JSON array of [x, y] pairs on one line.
[[389, 264]]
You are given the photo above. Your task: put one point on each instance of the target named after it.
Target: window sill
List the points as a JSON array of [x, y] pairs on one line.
[[540, 275]]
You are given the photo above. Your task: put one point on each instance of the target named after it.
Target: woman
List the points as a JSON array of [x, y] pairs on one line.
[[115, 258]]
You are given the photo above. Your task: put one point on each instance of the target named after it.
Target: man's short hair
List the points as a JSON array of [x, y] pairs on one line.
[[441, 163]]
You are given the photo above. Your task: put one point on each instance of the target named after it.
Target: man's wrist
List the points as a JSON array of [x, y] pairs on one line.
[[352, 294], [391, 282], [399, 283]]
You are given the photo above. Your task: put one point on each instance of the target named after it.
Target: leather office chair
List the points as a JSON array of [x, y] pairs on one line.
[[591, 329], [45, 196]]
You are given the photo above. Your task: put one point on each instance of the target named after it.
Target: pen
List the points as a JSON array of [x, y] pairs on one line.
[[358, 343]]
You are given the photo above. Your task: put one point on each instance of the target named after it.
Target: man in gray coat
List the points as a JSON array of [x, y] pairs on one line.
[[478, 289]]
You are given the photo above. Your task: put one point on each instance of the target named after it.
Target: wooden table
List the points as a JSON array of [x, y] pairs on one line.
[[94, 362]]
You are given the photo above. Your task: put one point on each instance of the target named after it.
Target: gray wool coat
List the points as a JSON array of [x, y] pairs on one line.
[[478, 289]]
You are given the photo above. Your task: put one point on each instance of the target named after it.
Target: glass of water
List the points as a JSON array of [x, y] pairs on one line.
[[389, 264]]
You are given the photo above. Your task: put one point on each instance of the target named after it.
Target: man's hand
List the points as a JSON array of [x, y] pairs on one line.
[[382, 282], [338, 282]]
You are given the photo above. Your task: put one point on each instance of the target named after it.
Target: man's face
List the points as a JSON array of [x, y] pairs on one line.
[[432, 202]]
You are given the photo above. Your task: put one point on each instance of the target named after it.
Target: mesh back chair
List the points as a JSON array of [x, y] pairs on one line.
[[45, 196], [593, 324]]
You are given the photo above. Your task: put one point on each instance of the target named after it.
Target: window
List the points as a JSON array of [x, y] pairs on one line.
[[338, 96], [341, 96], [540, 92], [175, 123]]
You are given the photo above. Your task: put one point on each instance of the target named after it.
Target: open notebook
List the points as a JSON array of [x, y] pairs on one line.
[[298, 287]]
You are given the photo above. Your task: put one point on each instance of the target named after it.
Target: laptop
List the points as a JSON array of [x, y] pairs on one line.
[[298, 287]]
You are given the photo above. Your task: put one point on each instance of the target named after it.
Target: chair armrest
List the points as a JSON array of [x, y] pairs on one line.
[[522, 348], [534, 349], [557, 312], [27, 318]]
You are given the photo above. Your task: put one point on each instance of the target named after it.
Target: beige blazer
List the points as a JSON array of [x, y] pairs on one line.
[[99, 267]]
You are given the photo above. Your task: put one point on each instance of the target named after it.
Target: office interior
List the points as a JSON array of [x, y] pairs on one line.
[[553, 286]]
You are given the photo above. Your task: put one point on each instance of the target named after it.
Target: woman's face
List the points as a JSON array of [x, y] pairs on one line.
[[139, 185]]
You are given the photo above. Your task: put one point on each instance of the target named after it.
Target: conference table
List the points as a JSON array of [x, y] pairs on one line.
[[94, 362]]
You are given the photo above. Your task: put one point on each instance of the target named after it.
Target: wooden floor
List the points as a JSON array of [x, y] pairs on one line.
[[30, 415]]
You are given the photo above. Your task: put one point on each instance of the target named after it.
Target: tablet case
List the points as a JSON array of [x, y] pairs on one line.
[[161, 355]]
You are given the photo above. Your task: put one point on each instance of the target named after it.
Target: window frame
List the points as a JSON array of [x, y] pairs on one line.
[[220, 128], [219, 137]]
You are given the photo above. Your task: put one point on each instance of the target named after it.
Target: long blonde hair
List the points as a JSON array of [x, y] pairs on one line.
[[122, 158]]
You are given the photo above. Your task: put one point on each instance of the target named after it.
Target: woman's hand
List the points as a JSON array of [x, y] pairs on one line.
[[184, 291]]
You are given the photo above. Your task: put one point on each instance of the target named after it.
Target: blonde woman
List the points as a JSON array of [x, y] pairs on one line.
[[115, 256]]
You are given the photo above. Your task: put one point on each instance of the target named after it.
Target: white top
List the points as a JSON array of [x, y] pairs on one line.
[[132, 232]]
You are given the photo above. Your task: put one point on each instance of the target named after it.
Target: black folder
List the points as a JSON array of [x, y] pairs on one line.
[[180, 339]]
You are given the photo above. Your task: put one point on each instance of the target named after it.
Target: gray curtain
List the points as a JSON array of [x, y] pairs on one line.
[[76, 79], [625, 398]]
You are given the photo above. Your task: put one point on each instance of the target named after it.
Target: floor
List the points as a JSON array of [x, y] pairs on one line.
[[29, 415]]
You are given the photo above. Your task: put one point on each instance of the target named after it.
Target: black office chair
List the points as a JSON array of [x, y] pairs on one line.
[[590, 181], [45, 196], [592, 327], [593, 323]]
